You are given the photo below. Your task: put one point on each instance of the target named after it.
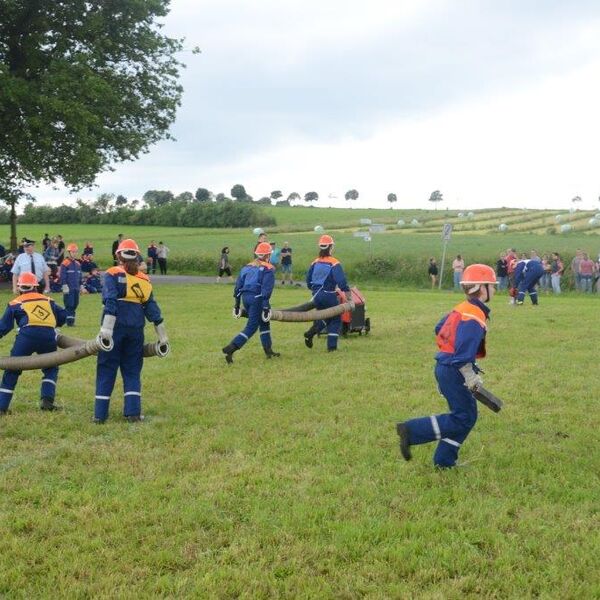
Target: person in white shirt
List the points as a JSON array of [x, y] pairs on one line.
[[31, 262], [162, 253]]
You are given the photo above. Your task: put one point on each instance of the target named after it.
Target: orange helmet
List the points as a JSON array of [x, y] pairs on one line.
[[72, 248], [128, 249], [262, 249], [27, 280], [325, 241], [475, 275]]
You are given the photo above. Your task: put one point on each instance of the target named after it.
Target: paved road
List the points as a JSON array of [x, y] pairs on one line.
[[181, 279]]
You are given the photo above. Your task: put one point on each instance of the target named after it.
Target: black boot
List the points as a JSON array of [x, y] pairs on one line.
[[228, 352], [4, 412], [402, 431], [134, 418], [48, 404], [308, 337], [270, 354]]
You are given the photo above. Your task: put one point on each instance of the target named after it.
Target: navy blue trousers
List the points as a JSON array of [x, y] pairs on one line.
[[333, 326], [450, 429], [29, 341], [71, 301], [527, 285], [254, 308], [126, 355]]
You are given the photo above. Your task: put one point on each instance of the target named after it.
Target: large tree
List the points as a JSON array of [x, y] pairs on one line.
[[84, 84], [351, 195], [436, 196], [311, 197]]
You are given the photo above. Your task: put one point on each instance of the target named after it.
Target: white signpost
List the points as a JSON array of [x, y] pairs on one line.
[[446, 233]]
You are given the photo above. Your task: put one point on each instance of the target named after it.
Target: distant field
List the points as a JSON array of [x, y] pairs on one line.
[[282, 478], [406, 249]]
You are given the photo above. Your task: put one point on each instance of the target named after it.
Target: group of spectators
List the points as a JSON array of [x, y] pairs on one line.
[[281, 259], [45, 264], [586, 272]]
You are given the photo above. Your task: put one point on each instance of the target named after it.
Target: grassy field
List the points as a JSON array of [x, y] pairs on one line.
[[282, 478], [401, 253]]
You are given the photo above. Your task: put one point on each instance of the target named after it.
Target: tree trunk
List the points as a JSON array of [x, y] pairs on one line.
[[13, 226]]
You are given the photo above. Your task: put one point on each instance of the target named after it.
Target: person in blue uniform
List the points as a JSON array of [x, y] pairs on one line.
[[527, 275], [324, 276], [253, 287], [128, 301], [70, 281], [460, 337], [36, 317], [93, 283]]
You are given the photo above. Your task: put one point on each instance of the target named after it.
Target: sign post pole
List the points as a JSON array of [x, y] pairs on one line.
[[446, 233]]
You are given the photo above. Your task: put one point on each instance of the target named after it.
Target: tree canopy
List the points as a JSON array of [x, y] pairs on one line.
[[83, 84], [351, 195], [391, 198]]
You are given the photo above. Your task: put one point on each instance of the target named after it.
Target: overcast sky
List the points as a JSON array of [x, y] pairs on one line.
[[493, 102]]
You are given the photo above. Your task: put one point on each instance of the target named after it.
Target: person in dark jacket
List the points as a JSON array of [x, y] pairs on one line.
[[128, 301], [36, 317], [253, 287], [527, 275], [460, 337], [70, 281], [324, 276]]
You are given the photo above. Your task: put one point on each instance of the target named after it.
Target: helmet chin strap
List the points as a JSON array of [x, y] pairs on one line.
[[487, 293]]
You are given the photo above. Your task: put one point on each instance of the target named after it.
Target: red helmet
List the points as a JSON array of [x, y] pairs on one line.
[[475, 275], [128, 249], [72, 248], [263, 249], [27, 280], [325, 241]]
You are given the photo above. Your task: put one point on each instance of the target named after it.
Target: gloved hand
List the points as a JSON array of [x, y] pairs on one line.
[[266, 315], [161, 333], [237, 311], [105, 337], [472, 380], [65, 289]]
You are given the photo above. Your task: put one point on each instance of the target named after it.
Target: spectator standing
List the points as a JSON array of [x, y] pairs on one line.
[[546, 280], [162, 253], [46, 242], [88, 250], [51, 257], [502, 271], [587, 269], [2, 251], [61, 248], [533, 255], [31, 262], [224, 267], [458, 266], [433, 272], [286, 264], [275, 255], [261, 238], [115, 245], [575, 269], [152, 254], [556, 270]]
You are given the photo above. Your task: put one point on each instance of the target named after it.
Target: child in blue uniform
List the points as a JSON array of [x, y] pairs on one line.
[[460, 336], [93, 283], [128, 301], [70, 281], [324, 275], [36, 317], [253, 287], [527, 275]]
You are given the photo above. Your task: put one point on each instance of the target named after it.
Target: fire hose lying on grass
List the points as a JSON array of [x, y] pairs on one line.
[[72, 349]]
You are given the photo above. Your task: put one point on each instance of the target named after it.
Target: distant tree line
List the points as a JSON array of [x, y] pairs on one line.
[[180, 211]]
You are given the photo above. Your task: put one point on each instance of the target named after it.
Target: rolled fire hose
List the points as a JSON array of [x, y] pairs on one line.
[[72, 349]]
